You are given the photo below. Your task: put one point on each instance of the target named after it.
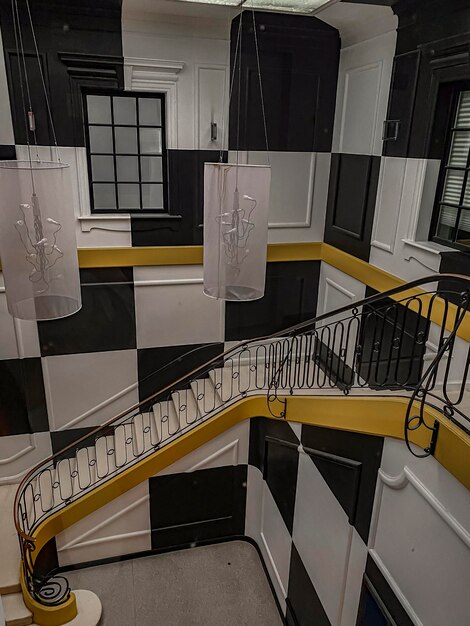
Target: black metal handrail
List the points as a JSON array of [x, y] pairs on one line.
[[375, 344]]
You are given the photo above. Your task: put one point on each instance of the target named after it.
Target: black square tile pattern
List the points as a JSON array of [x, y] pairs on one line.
[[366, 450], [290, 297], [199, 506], [22, 398], [105, 322], [304, 607]]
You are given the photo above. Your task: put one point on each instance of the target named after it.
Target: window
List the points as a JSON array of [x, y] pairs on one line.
[[125, 137], [451, 220]]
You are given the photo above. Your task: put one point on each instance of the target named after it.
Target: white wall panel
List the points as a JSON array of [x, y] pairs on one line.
[[322, 536], [211, 94], [352, 591], [18, 338], [118, 528], [88, 389], [265, 525], [299, 192], [171, 308], [336, 289], [399, 238], [20, 453], [229, 448], [193, 103], [361, 101]]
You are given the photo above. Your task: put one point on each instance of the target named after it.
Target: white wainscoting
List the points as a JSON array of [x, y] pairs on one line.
[[18, 338], [361, 102], [20, 453], [229, 448], [420, 537], [336, 289], [265, 525], [90, 388], [171, 308], [118, 528], [405, 198]]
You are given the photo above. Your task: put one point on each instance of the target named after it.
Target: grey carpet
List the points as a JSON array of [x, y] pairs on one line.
[[219, 585]]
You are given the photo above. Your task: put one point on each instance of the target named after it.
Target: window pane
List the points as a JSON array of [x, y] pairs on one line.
[[101, 139], [127, 168], [124, 110], [152, 196], [150, 112], [104, 196], [151, 168], [126, 140], [466, 197], [463, 113], [459, 149], [150, 140], [447, 217], [129, 197], [102, 168], [98, 109], [453, 186], [463, 233]]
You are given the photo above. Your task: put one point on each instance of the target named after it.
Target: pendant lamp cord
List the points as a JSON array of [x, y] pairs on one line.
[[41, 72], [238, 59], [23, 76]]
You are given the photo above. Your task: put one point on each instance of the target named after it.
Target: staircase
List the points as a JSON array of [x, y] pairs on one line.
[[375, 346]]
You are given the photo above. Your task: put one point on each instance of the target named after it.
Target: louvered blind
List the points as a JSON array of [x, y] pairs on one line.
[[456, 178]]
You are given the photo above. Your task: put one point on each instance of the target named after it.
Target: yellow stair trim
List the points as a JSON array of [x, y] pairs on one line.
[[383, 416]]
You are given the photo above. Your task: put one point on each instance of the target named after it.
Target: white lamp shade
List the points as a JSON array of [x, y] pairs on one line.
[[236, 202], [38, 247]]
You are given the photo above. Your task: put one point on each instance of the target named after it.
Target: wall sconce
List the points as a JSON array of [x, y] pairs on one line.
[[37, 240]]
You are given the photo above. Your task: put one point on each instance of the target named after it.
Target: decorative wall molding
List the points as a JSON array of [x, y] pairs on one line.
[[396, 483], [232, 448], [20, 453], [217, 113], [161, 76], [349, 75], [388, 203]]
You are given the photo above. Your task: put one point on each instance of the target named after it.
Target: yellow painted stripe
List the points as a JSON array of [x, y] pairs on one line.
[[372, 276], [383, 416]]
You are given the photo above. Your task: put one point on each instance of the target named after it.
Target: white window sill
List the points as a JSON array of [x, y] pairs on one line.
[[428, 246]]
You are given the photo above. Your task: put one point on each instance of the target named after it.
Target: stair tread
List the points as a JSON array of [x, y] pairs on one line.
[[9, 547], [15, 610]]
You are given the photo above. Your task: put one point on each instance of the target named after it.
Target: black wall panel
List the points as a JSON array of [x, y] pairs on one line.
[[106, 320], [299, 59], [364, 453], [304, 607], [22, 397], [199, 506], [351, 202], [80, 45], [183, 225], [432, 49], [159, 367], [454, 263], [290, 297]]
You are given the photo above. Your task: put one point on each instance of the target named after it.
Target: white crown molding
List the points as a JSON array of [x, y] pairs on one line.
[[142, 68]]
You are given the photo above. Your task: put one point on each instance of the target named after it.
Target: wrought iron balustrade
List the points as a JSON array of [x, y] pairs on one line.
[[404, 341]]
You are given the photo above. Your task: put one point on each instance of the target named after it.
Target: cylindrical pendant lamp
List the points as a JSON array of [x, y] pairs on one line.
[[38, 247], [236, 202]]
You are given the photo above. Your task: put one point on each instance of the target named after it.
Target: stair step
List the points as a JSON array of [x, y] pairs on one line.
[[9, 547], [16, 613], [167, 419], [186, 407], [207, 398]]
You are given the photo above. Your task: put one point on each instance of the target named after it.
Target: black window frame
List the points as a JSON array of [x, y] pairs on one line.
[[164, 153], [446, 111]]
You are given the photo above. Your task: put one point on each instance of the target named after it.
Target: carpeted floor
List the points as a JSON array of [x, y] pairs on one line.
[[219, 585]]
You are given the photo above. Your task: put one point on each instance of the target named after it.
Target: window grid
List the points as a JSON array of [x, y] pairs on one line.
[[460, 186], [138, 154]]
